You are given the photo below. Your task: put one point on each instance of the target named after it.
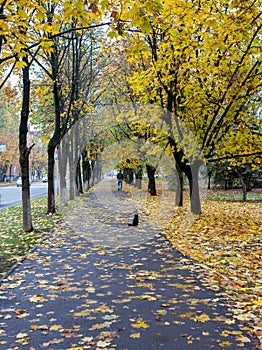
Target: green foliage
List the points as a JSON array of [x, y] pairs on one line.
[[224, 175], [235, 196]]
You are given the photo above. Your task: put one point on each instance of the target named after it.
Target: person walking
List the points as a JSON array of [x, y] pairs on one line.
[[120, 178]]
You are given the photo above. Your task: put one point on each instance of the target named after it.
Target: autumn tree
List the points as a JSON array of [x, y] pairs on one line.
[[74, 81], [200, 63], [29, 29], [8, 131], [241, 150], [16, 41]]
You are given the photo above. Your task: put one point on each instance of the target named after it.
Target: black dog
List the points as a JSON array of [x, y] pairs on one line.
[[135, 221]]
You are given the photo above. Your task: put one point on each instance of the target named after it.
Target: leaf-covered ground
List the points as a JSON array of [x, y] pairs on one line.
[[226, 239], [96, 283]]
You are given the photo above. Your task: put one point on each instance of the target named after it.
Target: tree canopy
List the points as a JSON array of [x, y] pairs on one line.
[[197, 62]]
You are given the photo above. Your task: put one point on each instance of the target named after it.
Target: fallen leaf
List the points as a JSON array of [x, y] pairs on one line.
[[140, 323], [21, 335], [135, 335], [201, 318]]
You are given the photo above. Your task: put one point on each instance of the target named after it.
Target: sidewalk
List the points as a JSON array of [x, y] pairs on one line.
[[99, 284]]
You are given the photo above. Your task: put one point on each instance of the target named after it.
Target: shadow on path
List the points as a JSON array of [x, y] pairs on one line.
[[99, 284]]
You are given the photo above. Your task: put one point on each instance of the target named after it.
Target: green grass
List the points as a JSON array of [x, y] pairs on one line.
[[232, 195], [14, 242]]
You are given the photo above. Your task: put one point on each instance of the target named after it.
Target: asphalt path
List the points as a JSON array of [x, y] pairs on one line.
[[96, 283], [11, 195]]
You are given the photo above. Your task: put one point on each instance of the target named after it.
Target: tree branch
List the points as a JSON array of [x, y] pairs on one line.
[[233, 156]]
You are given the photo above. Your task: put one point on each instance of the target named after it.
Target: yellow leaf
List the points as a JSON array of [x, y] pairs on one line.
[[135, 335], [140, 323], [55, 327], [82, 313], [225, 344], [202, 318], [20, 64], [87, 339], [33, 327], [243, 339], [102, 344], [147, 297], [97, 326], [21, 335], [37, 298], [205, 333], [22, 315]]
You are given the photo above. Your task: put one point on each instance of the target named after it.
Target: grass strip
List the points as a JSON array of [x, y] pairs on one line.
[[14, 241]]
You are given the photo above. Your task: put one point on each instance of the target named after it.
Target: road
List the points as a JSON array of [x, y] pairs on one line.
[[12, 195]]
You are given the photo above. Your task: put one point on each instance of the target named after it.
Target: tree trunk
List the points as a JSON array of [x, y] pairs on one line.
[[194, 188], [51, 188], [244, 185], [97, 170], [139, 176], [24, 151], [180, 187], [86, 170], [72, 172], [92, 165], [77, 157], [10, 172], [191, 172], [56, 137], [128, 175], [79, 181], [209, 180], [62, 165], [151, 179], [248, 181]]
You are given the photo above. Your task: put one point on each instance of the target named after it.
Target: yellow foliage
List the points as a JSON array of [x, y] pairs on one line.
[[188, 60]]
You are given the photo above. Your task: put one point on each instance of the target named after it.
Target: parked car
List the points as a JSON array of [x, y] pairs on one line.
[[19, 182], [44, 179]]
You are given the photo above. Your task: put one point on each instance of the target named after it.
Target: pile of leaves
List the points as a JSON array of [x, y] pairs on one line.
[[225, 241], [14, 241]]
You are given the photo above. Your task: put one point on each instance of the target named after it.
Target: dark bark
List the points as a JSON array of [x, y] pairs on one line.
[[62, 164], [180, 187], [51, 188], [55, 139], [248, 181], [209, 180], [86, 170], [243, 183], [92, 173], [195, 202], [10, 172], [76, 160], [1, 16], [129, 175], [151, 170], [72, 170], [191, 171], [79, 181], [96, 170], [139, 176], [24, 151]]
